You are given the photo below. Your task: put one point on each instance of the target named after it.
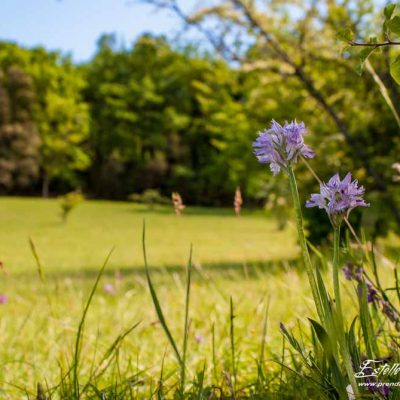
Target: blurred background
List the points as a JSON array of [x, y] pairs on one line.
[[116, 98], [113, 112]]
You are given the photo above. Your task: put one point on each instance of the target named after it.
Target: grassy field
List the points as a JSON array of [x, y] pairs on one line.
[[246, 259], [80, 245]]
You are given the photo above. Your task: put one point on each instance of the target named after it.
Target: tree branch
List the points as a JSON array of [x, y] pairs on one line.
[[319, 97], [299, 72], [374, 45]]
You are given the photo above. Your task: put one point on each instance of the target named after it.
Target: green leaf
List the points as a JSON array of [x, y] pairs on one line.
[[324, 295], [352, 343], [363, 56], [291, 339], [394, 25], [326, 343], [365, 319], [345, 35], [395, 70], [388, 11], [323, 337]]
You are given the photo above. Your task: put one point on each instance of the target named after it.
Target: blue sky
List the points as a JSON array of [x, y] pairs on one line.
[[75, 25]]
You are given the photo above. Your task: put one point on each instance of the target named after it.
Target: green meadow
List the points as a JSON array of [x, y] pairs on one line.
[[274, 126], [80, 245], [246, 280], [246, 258]]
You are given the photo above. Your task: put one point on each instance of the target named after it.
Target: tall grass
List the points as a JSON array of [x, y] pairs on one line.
[[71, 386], [310, 364], [180, 355]]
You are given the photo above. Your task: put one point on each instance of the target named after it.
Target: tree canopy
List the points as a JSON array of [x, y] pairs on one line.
[[172, 117]]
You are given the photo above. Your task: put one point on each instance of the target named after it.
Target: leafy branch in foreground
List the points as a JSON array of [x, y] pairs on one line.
[[390, 28]]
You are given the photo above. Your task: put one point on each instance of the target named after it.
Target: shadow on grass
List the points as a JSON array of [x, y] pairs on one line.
[[192, 211], [230, 270]]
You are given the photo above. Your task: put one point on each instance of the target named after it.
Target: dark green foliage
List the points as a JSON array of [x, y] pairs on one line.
[[68, 203], [157, 122], [19, 139], [50, 97], [151, 197], [157, 115]]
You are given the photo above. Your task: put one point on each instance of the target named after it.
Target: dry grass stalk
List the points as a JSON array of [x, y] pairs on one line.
[[238, 201], [177, 203]]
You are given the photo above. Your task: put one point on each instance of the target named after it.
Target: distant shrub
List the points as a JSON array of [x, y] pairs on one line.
[[68, 202], [151, 197]]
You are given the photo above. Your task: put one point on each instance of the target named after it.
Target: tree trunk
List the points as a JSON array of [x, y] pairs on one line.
[[45, 186]]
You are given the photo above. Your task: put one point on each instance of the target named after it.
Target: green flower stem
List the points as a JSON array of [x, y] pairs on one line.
[[339, 311], [303, 242], [336, 285]]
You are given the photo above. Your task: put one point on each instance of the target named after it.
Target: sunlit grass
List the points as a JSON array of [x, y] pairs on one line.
[[246, 258], [218, 236], [35, 336]]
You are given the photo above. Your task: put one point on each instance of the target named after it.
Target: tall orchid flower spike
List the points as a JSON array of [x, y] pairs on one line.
[[338, 198], [281, 146]]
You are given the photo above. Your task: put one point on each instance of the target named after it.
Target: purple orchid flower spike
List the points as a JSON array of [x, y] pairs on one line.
[[295, 146], [372, 294], [347, 273], [338, 198], [280, 145], [352, 271]]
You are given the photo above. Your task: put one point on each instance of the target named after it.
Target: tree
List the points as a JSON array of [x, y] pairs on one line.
[[295, 42], [157, 116], [19, 139], [64, 127], [60, 116]]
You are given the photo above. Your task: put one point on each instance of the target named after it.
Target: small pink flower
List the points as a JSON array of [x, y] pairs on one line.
[[3, 299], [109, 288], [199, 338]]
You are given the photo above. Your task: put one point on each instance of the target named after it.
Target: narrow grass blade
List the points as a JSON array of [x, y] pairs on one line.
[[352, 343], [264, 333], [214, 357], [113, 348], [232, 340], [156, 302], [42, 275], [186, 325], [366, 322], [160, 389], [39, 265], [81, 327], [396, 279]]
